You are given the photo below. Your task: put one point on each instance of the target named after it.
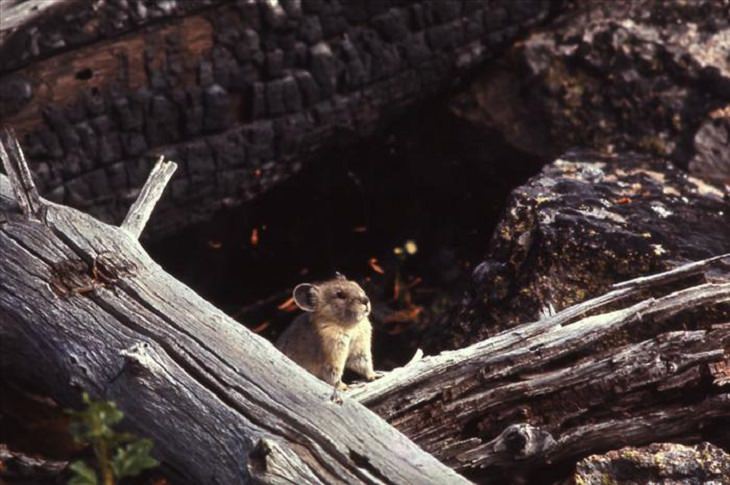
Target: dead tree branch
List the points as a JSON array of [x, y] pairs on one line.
[[142, 208]]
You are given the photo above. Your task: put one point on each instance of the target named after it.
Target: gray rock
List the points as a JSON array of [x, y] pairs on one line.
[[584, 223], [650, 76], [658, 463]]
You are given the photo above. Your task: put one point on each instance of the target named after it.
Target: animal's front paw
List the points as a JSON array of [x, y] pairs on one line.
[[336, 397], [374, 375]]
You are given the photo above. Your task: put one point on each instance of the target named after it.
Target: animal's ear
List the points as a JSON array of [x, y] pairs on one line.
[[305, 296], [340, 276]]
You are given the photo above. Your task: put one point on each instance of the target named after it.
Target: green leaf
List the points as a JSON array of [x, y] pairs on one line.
[[82, 474], [95, 422], [120, 438], [133, 458]]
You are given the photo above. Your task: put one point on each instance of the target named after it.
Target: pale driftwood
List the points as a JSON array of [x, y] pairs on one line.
[[673, 274], [569, 385], [16, 168], [85, 304], [151, 192], [15, 13]]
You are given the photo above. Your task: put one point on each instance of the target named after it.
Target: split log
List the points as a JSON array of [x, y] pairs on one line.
[[623, 368], [83, 303]]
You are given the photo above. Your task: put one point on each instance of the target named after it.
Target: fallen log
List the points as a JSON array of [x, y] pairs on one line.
[[84, 303], [625, 368]]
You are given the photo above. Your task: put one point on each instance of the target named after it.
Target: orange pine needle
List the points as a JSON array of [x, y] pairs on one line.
[[288, 305], [375, 266], [261, 327], [255, 237], [407, 315]]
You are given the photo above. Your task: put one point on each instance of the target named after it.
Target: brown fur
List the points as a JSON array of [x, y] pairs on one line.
[[334, 334]]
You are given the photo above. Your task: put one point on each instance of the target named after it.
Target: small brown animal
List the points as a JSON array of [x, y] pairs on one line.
[[334, 334]]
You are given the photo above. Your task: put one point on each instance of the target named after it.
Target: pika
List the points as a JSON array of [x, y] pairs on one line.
[[334, 333]]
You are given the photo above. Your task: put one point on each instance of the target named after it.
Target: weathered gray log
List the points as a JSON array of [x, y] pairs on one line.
[[570, 385], [83, 303]]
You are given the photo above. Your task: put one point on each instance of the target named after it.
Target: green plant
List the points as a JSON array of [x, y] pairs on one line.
[[402, 290], [118, 455]]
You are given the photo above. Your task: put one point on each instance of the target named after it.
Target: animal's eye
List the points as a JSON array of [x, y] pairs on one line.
[[341, 295]]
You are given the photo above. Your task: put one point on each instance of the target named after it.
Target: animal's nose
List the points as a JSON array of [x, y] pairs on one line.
[[365, 300]]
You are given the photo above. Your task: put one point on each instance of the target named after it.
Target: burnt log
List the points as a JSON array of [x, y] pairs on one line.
[[651, 76], [241, 93], [645, 362], [84, 303]]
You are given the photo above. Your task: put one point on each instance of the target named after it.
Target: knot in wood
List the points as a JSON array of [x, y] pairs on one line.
[[524, 441], [77, 277], [258, 455], [138, 358]]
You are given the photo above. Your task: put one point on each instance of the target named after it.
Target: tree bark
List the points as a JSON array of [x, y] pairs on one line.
[[602, 374], [82, 306]]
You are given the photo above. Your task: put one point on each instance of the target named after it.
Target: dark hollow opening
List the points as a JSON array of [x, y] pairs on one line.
[[430, 182], [84, 74]]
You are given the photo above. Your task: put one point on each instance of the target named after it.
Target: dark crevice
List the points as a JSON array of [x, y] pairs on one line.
[[364, 462], [84, 74]]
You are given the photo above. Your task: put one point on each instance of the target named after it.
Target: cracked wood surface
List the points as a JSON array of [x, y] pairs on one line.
[[84, 303], [605, 373]]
